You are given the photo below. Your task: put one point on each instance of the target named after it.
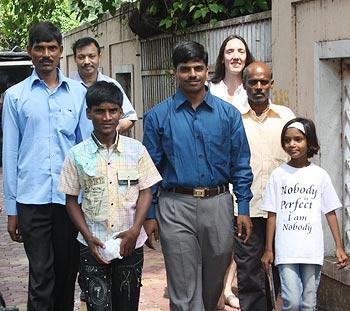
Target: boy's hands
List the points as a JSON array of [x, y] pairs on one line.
[[267, 259], [128, 243], [93, 244], [342, 258]]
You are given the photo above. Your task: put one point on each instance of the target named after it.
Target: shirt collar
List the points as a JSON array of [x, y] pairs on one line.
[[245, 108], [76, 76], [238, 91], [180, 99], [62, 80], [118, 144]]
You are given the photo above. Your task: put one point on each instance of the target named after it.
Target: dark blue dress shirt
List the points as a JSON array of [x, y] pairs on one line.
[[205, 147]]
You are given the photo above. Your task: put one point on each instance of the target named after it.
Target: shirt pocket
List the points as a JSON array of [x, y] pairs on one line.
[[128, 184], [66, 121], [218, 147]]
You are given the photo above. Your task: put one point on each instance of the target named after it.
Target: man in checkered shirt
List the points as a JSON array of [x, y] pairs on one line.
[[114, 174]]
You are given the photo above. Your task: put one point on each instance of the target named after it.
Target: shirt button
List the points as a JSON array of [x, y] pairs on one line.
[[200, 156], [110, 182], [109, 163], [202, 175], [112, 226], [111, 203]]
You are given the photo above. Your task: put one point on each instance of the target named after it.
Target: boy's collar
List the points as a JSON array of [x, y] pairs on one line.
[[117, 143]]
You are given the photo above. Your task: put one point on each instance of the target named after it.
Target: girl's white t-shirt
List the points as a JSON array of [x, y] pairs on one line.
[[298, 196]]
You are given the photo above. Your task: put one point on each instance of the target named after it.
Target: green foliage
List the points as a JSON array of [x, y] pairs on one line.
[[175, 15], [91, 10], [243, 7], [170, 15], [181, 15], [19, 15]]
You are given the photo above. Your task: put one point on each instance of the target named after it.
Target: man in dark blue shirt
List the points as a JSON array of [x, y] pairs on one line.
[[198, 144]]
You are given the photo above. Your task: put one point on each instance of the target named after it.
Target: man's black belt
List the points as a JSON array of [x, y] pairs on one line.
[[200, 192]]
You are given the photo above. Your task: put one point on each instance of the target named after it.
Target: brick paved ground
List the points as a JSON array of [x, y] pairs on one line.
[[14, 274]]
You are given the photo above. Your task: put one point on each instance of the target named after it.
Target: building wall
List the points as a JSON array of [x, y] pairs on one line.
[[149, 61], [120, 55], [311, 57], [303, 32], [156, 64]]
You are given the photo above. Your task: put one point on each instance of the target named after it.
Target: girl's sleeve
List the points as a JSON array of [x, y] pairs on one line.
[[329, 198], [269, 202]]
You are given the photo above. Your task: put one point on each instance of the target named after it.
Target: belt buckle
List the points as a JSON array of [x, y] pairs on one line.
[[199, 192]]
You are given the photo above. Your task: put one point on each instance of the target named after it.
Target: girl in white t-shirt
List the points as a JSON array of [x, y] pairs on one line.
[[296, 194]]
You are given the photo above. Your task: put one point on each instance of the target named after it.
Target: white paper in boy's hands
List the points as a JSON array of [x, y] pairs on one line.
[[112, 249]]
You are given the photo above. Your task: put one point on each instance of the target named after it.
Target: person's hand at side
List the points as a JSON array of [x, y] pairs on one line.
[[152, 230], [13, 230], [267, 259], [342, 258], [244, 227]]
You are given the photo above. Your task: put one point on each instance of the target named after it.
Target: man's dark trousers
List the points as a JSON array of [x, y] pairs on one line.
[[50, 243], [253, 289]]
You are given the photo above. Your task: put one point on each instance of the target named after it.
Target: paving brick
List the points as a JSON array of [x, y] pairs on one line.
[[14, 274]]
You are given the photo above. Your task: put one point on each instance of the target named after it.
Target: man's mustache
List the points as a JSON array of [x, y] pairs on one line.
[[46, 59]]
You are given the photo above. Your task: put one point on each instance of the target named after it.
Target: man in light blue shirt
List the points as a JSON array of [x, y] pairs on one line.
[[43, 117], [87, 56]]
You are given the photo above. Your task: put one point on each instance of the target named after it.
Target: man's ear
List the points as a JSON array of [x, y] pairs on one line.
[[88, 110], [29, 50], [61, 49], [272, 82]]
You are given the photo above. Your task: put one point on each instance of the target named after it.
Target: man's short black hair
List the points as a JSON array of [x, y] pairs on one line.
[[310, 133], [189, 51], [83, 42], [44, 32], [102, 92]]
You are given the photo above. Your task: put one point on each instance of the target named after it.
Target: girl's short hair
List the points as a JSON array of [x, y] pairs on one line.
[[310, 133]]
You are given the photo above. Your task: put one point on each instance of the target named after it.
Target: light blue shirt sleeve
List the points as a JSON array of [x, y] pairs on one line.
[[11, 139], [84, 128], [128, 109]]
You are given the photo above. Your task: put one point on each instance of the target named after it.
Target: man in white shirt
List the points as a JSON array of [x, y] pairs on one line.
[[87, 56]]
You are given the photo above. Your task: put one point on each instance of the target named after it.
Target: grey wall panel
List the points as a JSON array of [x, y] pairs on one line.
[[156, 64]]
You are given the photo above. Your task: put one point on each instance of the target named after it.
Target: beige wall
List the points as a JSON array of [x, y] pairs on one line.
[[120, 53], [296, 27], [310, 48]]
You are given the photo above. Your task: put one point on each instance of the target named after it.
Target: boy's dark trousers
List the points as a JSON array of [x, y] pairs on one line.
[[112, 287], [50, 243]]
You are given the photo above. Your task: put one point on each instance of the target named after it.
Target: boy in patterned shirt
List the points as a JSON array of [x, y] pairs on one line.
[[114, 174]]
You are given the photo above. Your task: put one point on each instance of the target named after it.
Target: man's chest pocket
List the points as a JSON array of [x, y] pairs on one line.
[[128, 184], [66, 121]]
